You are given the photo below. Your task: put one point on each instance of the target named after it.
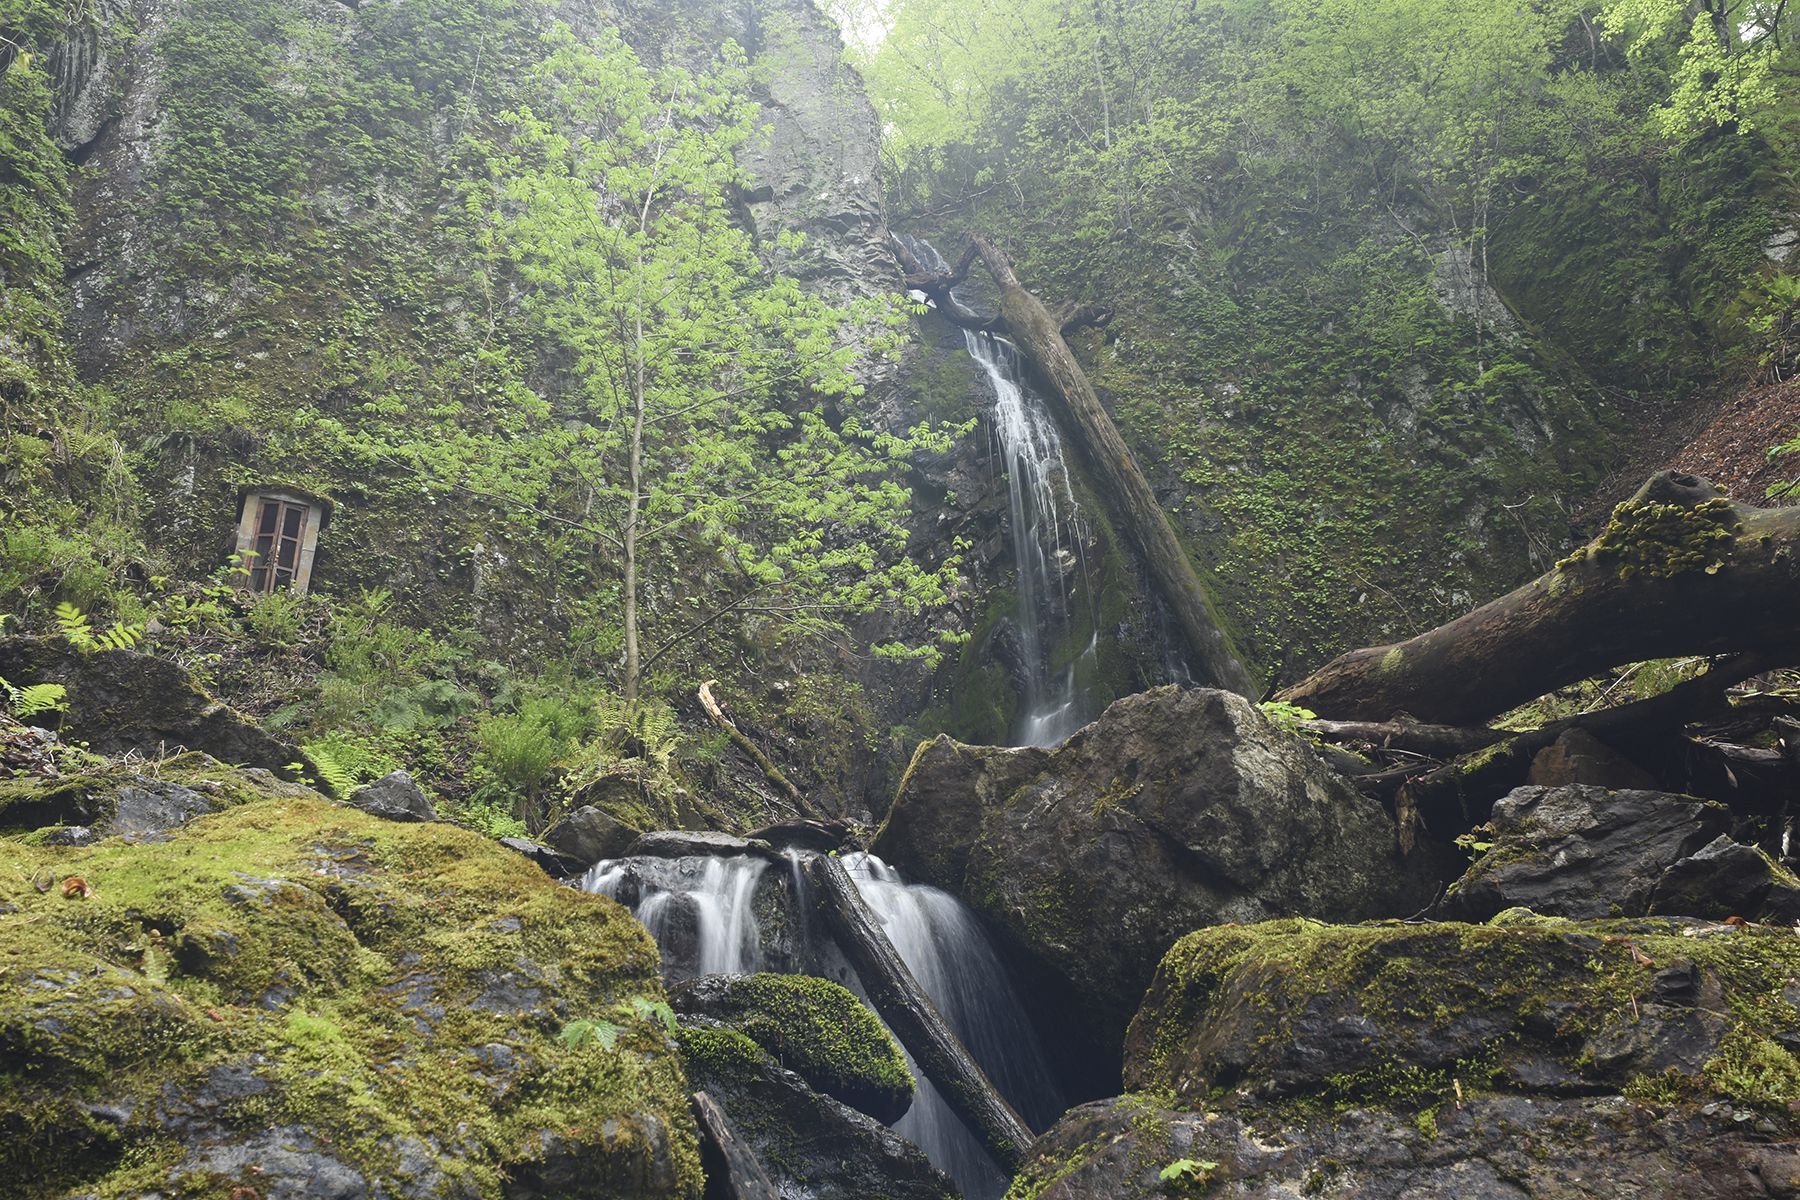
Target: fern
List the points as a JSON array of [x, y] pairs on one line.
[[34, 699], [74, 625], [339, 779]]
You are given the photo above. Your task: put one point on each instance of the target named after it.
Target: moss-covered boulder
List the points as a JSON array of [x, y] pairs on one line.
[[131, 800], [1527, 1058], [1177, 809], [810, 1144], [815, 1028], [297, 999], [1406, 1012]]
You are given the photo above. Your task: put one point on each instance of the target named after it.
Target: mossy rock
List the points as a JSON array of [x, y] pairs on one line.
[[811, 1144], [292, 996], [815, 1028], [143, 799], [1407, 1015]]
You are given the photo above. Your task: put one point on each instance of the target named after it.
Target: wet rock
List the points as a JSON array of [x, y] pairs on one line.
[[1729, 879], [589, 835], [394, 797], [121, 701], [1176, 809], [1488, 1147], [810, 1144], [813, 1027], [686, 843], [129, 802], [554, 864], [1589, 852], [1579, 757]]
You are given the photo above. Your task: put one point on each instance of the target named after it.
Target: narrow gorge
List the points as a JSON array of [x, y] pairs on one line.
[[899, 600]]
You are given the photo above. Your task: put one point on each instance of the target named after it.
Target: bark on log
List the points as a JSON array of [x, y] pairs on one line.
[[1679, 570], [730, 1165], [1434, 741], [742, 741], [915, 1020], [1134, 506]]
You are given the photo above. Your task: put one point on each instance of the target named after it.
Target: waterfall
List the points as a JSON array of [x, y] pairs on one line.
[[944, 947], [699, 909], [703, 914], [1041, 506]]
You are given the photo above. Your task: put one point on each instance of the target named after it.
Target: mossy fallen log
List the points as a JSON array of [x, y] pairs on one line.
[[1039, 335], [915, 1020], [1678, 570]]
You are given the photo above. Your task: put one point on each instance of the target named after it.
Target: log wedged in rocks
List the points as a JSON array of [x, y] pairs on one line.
[[1039, 335], [1679, 569], [915, 1020], [731, 1167]]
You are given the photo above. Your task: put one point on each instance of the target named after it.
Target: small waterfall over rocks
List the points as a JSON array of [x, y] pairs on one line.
[[1042, 510], [744, 913]]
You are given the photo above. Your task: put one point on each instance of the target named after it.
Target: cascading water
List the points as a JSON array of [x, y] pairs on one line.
[[698, 909], [702, 912], [944, 947], [1041, 506]]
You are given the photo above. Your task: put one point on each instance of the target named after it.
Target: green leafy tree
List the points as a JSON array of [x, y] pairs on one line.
[[701, 416], [1726, 52]]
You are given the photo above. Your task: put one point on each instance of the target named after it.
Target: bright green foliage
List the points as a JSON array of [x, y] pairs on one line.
[[75, 627], [1726, 54], [702, 406], [32, 700]]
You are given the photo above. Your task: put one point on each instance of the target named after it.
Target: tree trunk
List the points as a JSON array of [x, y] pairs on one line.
[[731, 1167], [1678, 570], [1134, 506], [914, 1019]]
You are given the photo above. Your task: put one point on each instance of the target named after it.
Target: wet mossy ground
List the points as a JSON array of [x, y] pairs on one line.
[[387, 1002]]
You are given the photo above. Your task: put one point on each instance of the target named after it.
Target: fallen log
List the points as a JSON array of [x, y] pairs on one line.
[[1678, 570], [1459, 795], [1134, 506], [1434, 741], [915, 1020], [732, 1171], [742, 741]]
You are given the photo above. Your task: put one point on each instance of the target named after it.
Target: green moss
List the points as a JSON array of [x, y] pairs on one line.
[[1652, 538], [360, 969], [822, 1032], [1543, 987]]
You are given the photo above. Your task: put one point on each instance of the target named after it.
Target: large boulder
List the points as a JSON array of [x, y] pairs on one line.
[[1176, 809], [588, 835], [120, 701], [811, 1145], [815, 1028], [1588, 852], [291, 998], [1530, 1059]]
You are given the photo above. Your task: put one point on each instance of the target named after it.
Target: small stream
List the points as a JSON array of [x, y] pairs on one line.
[[704, 913]]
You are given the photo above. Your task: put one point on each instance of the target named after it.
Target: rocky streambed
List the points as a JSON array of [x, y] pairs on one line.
[[217, 982]]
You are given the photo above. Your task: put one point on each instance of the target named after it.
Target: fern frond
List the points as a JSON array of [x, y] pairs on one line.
[[74, 626], [33, 699]]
